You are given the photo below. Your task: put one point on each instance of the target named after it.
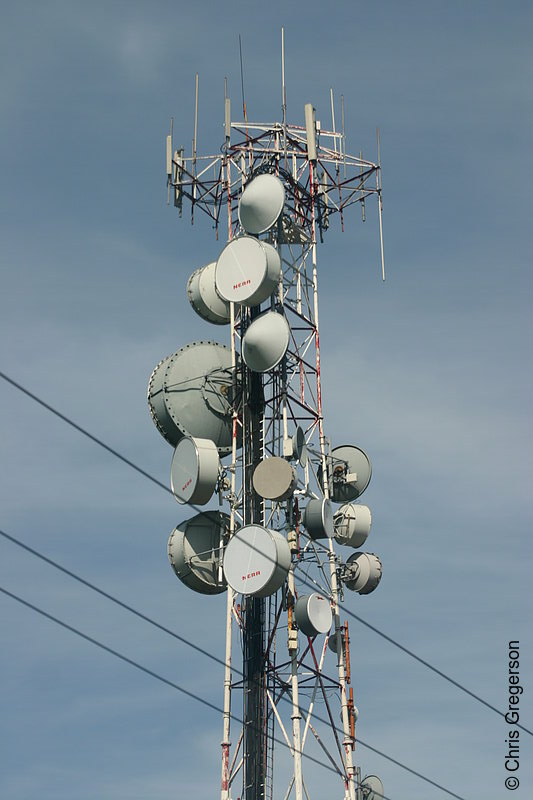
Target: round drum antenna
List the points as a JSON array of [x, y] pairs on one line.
[[194, 470], [352, 524], [204, 298], [190, 394], [247, 271], [312, 613], [274, 479], [372, 788], [256, 561], [362, 572]]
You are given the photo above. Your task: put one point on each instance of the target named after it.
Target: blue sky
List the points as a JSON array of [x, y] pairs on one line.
[[429, 373]]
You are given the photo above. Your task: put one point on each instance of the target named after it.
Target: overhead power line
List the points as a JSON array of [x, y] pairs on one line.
[[133, 663], [201, 700], [350, 613], [190, 644]]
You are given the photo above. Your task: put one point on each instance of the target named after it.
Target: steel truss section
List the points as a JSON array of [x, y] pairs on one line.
[[212, 183]]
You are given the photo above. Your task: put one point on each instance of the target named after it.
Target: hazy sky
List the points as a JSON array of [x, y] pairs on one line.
[[429, 373]]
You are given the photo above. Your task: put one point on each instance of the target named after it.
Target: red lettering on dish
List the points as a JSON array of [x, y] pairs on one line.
[[251, 575], [242, 283]]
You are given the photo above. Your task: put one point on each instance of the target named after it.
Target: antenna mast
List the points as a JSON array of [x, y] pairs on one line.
[[247, 430]]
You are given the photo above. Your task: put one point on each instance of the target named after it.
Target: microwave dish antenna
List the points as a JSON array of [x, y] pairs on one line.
[[312, 613], [190, 394], [318, 519], [265, 342], [350, 471], [204, 297], [261, 203], [299, 447], [274, 479], [372, 788], [352, 524], [247, 271], [256, 561], [195, 551], [194, 470], [362, 572]]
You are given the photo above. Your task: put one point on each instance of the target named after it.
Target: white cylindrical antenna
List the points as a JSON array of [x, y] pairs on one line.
[[343, 134], [242, 82], [283, 91], [227, 119], [380, 208], [310, 129], [195, 120], [332, 114], [169, 150], [333, 124], [169, 159]]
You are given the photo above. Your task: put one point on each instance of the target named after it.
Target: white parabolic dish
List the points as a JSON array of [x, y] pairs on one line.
[[313, 614], [265, 342], [194, 551], [352, 463], [194, 470], [261, 203], [247, 271], [203, 296], [256, 561]]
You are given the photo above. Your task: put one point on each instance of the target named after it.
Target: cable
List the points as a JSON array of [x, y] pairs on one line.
[[187, 642], [85, 432], [140, 667], [196, 697], [344, 608]]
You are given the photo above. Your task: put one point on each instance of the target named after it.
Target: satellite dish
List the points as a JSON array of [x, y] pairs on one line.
[[194, 551], [190, 394], [363, 572], [194, 470], [247, 271], [203, 296], [318, 519], [352, 524], [261, 203], [355, 713], [265, 342], [299, 447], [350, 471], [312, 613], [256, 561], [274, 479], [372, 788], [332, 642]]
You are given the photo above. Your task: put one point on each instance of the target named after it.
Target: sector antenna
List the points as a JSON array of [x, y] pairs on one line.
[[243, 414]]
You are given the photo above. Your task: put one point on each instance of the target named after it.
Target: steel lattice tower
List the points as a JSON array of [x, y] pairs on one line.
[[275, 418]]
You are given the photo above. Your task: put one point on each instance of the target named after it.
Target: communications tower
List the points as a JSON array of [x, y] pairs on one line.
[[245, 420]]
